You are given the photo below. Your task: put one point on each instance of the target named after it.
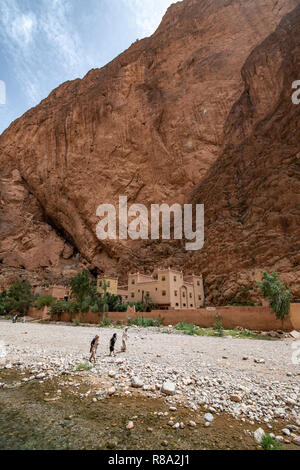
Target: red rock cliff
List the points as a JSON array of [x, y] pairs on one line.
[[148, 125]]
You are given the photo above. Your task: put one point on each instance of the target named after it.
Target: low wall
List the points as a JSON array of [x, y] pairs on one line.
[[254, 318], [295, 316]]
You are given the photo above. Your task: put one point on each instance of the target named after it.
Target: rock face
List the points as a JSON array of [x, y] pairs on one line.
[[253, 190], [149, 125]]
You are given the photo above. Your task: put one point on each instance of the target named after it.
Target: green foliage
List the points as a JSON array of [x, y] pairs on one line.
[[140, 307], [145, 322], [106, 322], [18, 299], [4, 310], [84, 366], [187, 328], [76, 321], [275, 292], [58, 308], [270, 443], [44, 301], [242, 298], [218, 326], [104, 306], [82, 288]]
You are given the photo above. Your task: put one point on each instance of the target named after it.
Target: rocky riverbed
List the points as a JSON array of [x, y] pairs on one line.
[[252, 383]]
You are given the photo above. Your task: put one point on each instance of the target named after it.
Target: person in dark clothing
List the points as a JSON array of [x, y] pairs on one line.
[[15, 318], [93, 349], [112, 344]]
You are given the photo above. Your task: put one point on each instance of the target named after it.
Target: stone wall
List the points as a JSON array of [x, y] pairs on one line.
[[255, 318]]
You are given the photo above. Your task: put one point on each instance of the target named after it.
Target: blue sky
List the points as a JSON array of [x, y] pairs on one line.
[[43, 43]]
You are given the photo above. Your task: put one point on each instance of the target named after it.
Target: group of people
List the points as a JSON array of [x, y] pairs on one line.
[[95, 343], [15, 319]]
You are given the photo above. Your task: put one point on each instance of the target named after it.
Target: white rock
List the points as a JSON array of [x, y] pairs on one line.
[[192, 424], [208, 417], [258, 435], [136, 382], [168, 388]]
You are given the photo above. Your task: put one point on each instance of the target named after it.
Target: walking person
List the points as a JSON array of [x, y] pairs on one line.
[[93, 349], [124, 339], [15, 318], [112, 345]]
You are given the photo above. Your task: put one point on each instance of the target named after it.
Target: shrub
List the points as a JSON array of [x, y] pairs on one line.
[[145, 322], [218, 326], [275, 292], [4, 309], [19, 298], [187, 328], [44, 301], [84, 366], [106, 322], [76, 321], [270, 443]]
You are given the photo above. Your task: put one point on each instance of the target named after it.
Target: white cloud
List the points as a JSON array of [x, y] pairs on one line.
[[22, 28], [148, 14], [36, 40]]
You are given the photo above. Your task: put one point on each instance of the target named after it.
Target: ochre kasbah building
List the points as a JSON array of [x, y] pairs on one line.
[[167, 288]]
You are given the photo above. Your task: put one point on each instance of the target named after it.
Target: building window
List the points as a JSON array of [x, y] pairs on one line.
[[156, 289], [132, 295], [198, 283], [133, 281], [191, 295], [148, 294], [183, 294], [163, 278], [175, 278], [184, 305], [191, 305], [175, 293], [164, 293], [199, 297], [177, 304], [139, 290]]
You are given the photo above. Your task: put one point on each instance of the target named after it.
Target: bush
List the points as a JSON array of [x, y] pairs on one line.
[[270, 443], [218, 326], [61, 306], [4, 310], [242, 298], [18, 298], [145, 322], [106, 322], [84, 366], [187, 328], [275, 292], [44, 301], [140, 307]]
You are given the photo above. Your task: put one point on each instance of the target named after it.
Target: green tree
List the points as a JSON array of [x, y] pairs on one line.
[[19, 297], [276, 293], [104, 305], [82, 287], [3, 303]]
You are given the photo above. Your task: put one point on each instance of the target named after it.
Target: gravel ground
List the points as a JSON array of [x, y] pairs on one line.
[[253, 380]]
